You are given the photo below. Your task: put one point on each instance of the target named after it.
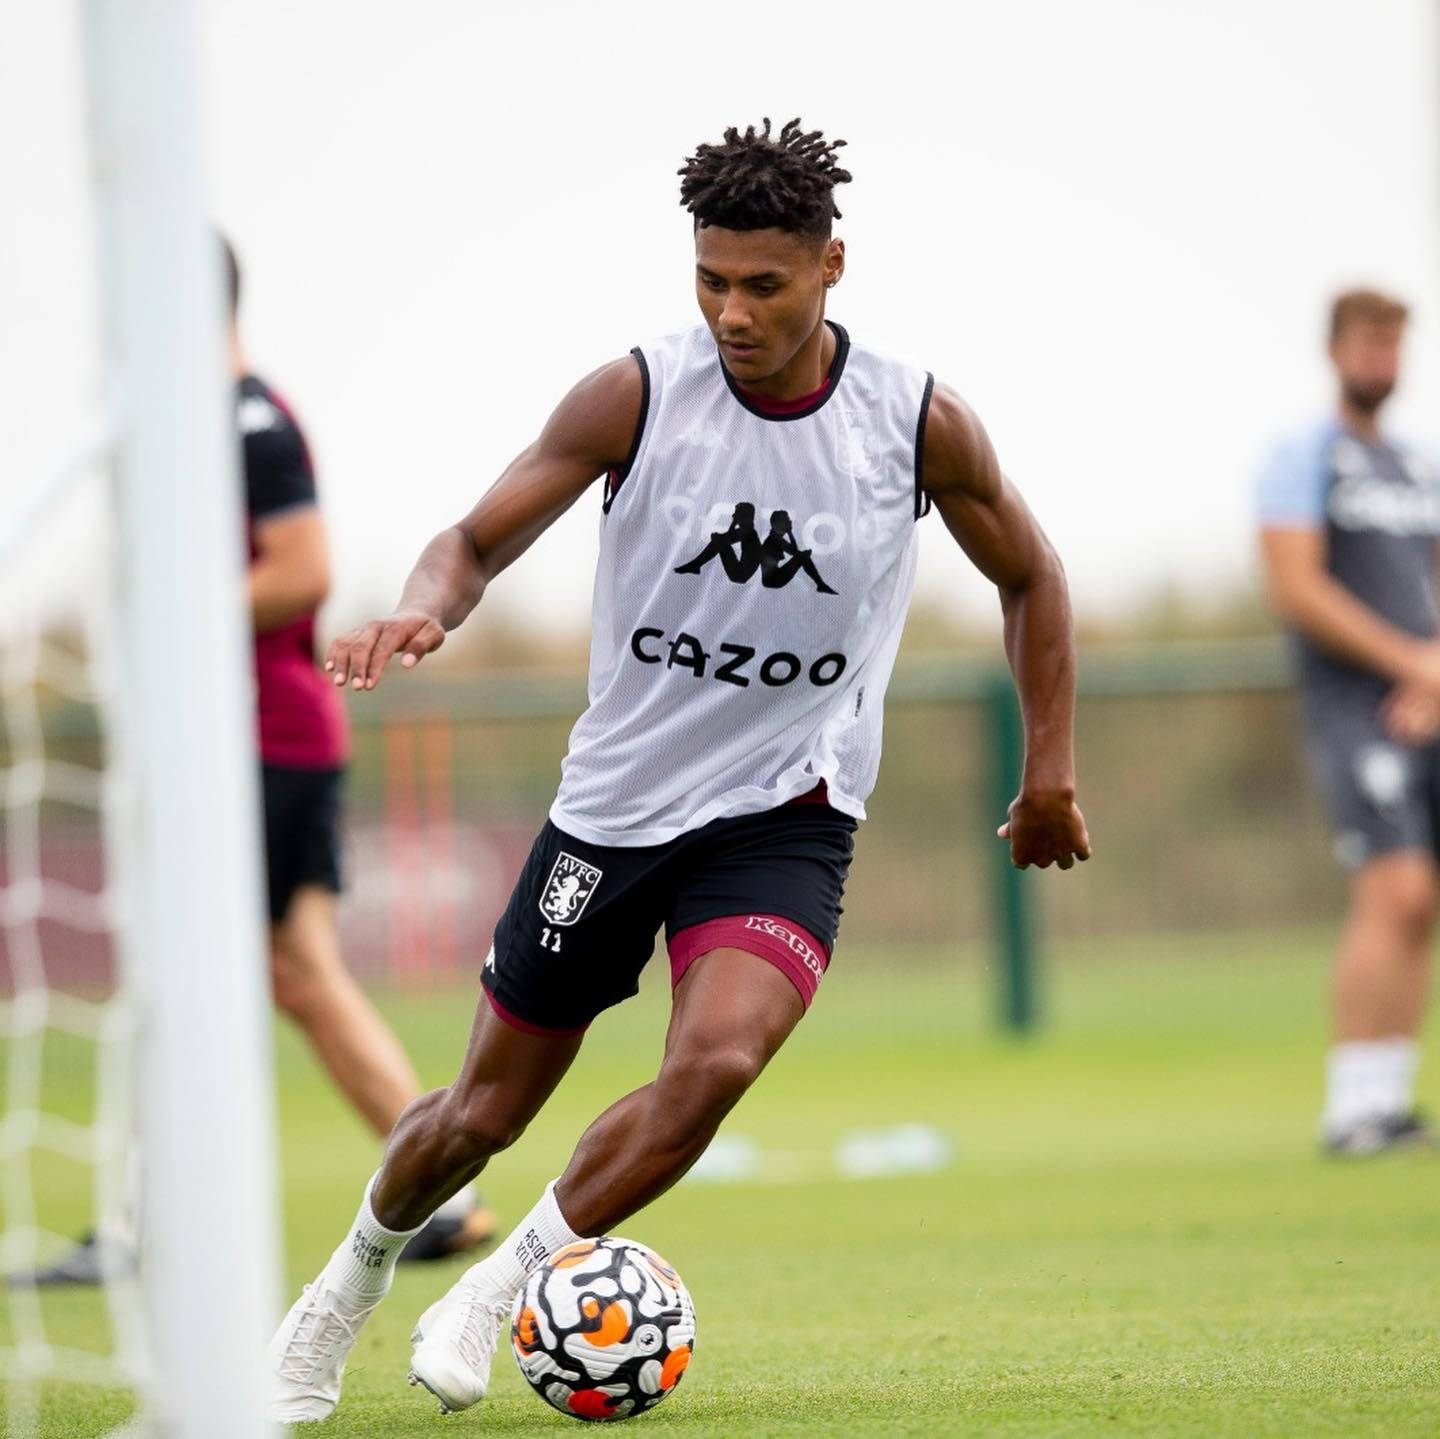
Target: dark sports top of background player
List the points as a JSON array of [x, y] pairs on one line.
[[304, 742], [1350, 522], [301, 724]]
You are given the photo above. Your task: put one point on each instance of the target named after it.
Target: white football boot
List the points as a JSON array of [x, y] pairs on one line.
[[455, 1341], [307, 1356]]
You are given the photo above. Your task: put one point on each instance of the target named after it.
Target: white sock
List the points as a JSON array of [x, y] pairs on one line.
[[361, 1269], [1367, 1078], [543, 1231], [458, 1205]]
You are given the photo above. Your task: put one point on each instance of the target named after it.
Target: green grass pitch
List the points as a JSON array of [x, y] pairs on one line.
[[1137, 1236]]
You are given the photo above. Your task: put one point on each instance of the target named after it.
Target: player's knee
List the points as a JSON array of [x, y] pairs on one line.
[[293, 986], [700, 1082], [1414, 902], [1409, 896]]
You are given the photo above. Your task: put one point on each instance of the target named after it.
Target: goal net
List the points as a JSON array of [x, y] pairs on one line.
[[135, 1085]]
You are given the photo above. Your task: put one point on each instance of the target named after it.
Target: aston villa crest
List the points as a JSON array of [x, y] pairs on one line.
[[855, 443], [568, 889]]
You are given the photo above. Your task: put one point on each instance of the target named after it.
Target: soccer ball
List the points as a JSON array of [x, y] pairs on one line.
[[604, 1330]]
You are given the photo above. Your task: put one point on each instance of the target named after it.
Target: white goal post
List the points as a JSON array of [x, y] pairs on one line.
[[207, 1184], [183, 839]]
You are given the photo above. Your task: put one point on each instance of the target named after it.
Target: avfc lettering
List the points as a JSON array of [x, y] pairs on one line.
[[733, 663]]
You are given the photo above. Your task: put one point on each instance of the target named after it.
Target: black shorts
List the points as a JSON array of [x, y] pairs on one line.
[[302, 832], [582, 921]]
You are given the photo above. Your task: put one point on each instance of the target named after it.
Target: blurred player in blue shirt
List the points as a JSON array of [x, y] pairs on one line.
[[1349, 520]]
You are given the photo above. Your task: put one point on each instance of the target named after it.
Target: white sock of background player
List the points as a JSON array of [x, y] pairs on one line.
[[458, 1205], [1369, 1078]]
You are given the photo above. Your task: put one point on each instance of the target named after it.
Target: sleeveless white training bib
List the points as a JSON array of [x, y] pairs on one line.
[[753, 580]]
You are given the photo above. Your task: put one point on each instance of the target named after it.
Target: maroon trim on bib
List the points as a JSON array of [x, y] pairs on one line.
[[819, 795], [790, 947], [788, 407], [793, 409]]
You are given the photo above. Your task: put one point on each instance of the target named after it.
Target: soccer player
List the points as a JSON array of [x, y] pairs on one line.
[[714, 784], [304, 744], [303, 741], [1349, 520]]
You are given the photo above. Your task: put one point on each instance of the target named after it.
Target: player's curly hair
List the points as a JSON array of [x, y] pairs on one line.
[[760, 181]]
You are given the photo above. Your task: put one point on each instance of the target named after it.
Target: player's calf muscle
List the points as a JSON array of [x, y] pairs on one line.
[[446, 1137], [669, 1120], [629, 1157], [484, 1121], [430, 1155]]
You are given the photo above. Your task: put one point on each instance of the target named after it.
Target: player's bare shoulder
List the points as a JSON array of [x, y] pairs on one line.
[[598, 418], [958, 460]]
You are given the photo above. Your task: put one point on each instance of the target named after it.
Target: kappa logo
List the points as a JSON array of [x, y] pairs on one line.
[[777, 559], [568, 889], [705, 435], [824, 533], [790, 940]]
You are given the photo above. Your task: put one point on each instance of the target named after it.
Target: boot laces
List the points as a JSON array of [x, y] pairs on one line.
[[321, 1334], [475, 1322]]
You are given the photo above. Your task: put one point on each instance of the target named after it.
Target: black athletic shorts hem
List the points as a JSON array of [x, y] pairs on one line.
[[302, 832], [582, 920]]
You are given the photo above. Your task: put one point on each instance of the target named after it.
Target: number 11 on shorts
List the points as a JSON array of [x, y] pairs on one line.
[[550, 939]]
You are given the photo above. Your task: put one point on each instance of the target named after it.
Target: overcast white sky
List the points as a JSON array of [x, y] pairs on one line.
[[1113, 226]]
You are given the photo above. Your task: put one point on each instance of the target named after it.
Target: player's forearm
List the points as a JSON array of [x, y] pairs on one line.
[[1040, 645], [279, 596], [1328, 615], [447, 581]]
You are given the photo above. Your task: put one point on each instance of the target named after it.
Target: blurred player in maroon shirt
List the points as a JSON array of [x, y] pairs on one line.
[[304, 743]]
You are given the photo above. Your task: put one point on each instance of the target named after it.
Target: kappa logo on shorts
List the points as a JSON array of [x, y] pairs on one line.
[[568, 889], [790, 940]]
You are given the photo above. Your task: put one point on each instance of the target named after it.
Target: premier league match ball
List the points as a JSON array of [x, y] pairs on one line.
[[604, 1330]]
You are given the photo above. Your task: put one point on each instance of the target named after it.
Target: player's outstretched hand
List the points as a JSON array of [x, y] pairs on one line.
[[359, 656], [1045, 829]]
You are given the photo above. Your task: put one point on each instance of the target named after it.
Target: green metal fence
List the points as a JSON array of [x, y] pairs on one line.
[[1189, 774], [1190, 777]]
